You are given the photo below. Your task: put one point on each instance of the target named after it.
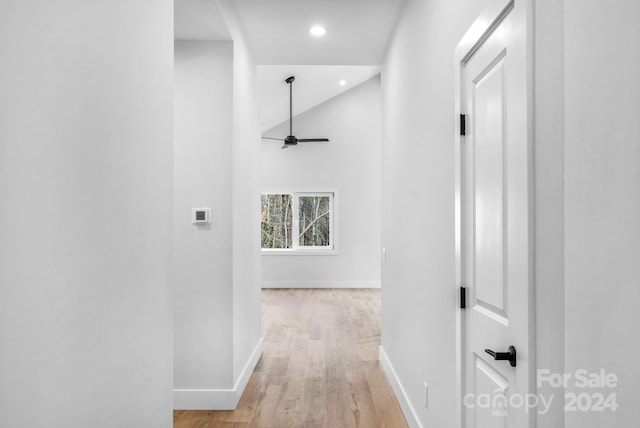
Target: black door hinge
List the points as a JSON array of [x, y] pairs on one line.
[[463, 297], [463, 124]]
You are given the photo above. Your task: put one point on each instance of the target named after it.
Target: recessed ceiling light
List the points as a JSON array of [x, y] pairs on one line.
[[318, 30], [343, 82]]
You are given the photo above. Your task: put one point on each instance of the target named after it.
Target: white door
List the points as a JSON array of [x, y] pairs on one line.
[[494, 208]]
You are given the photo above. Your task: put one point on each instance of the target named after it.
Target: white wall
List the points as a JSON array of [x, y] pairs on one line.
[[203, 272], [247, 264], [602, 200], [217, 323], [350, 164], [549, 199], [418, 282], [85, 224]]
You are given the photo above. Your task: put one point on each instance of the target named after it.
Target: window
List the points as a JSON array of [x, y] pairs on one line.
[[298, 222]]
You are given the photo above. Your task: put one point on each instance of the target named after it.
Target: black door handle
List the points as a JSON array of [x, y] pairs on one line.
[[510, 355]]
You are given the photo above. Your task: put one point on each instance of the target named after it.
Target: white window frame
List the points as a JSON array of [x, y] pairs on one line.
[[332, 248]]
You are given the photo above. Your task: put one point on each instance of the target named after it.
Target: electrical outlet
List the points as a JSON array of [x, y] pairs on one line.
[[426, 395]]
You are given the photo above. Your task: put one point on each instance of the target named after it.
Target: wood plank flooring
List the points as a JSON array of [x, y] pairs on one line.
[[319, 367]]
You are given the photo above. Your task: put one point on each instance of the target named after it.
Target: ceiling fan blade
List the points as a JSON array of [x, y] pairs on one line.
[[286, 146], [310, 140], [272, 138]]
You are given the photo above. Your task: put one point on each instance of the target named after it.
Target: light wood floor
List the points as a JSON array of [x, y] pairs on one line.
[[319, 367]]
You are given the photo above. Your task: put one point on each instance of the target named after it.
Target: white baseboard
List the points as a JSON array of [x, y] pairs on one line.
[[247, 370], [403, 399], [218, 399], [320, 284]]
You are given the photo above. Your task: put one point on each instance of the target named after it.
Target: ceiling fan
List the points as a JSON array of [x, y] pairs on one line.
[[291, 139]]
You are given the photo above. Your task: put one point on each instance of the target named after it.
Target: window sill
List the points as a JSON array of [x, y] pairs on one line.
[[301, 252]]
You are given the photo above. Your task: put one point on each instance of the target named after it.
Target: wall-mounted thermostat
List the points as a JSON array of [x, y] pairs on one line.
[[200, 215]]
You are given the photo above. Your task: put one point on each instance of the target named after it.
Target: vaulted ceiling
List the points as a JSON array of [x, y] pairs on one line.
[[314, 85]]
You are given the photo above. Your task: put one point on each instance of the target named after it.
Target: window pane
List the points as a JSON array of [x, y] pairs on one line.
[[276, 221], [314, 214]]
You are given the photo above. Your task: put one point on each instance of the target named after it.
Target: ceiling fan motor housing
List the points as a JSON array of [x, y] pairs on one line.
[[290, 140]]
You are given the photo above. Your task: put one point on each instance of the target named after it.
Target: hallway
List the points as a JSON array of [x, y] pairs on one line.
[[319, 368], [134, 157]]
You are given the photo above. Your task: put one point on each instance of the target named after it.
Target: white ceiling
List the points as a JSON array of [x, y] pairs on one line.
[[314, 84], [198, 20], [278, 33], [357, 30]]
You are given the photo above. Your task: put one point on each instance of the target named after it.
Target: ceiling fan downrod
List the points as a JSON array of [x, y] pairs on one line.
[[289, 81]]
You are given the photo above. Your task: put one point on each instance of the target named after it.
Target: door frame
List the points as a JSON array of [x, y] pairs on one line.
[[491, 16]]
